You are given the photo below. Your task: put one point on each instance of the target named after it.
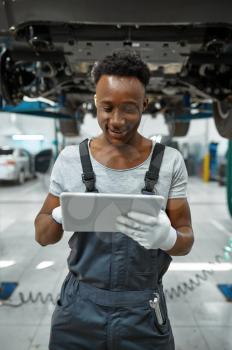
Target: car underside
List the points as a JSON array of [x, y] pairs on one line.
[[48, 50]]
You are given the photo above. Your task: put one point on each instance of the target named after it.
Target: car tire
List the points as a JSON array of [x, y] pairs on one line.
[[70, 128], [21, 177], [178, 129], [174, 109], [222, 112]]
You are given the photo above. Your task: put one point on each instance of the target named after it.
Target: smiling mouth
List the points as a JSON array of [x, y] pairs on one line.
[[117, 131]]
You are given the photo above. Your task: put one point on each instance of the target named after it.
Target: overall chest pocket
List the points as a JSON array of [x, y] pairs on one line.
[[141, 260]]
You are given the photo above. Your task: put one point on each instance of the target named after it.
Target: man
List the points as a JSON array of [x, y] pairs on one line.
[[112, 297]]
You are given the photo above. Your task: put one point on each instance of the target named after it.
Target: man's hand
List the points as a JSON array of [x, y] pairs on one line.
[[57, 215], [150, 232], [47, 230]]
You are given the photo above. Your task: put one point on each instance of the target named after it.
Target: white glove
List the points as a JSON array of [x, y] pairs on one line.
[[150, 232], [57, 215]]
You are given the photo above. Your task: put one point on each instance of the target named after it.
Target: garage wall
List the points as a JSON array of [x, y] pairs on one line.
[[12, 123]]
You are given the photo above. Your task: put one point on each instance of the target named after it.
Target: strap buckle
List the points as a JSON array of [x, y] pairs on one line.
[[150, 182], [89, 179], [88, 176], [144, 190]]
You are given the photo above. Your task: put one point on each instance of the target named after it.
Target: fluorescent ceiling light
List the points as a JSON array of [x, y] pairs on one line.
[[6, 263], [135, 44], [28, 137], [44, 265], [200, 266]]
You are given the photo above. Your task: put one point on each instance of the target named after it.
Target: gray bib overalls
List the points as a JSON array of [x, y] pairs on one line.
[[112, 297]]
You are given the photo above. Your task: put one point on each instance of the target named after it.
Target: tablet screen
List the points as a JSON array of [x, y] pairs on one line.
[[98, 211]]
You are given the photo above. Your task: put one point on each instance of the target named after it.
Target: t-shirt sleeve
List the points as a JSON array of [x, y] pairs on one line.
[[179, 181], [56, 179]]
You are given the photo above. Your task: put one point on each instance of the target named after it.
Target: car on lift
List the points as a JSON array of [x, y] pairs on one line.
[[16, 164], [49, 48]]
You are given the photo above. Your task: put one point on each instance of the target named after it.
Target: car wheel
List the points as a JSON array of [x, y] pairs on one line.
[[174, 108], [178, 129], [21, 177], [222, 112], [69, 127]]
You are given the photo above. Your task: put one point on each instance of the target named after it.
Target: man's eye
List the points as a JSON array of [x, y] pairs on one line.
[[107, 109], [130, 109]]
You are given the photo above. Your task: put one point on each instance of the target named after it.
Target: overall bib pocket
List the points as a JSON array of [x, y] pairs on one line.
[[141, 260]]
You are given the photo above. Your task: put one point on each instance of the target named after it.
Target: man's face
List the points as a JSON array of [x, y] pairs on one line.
[[120, 102]]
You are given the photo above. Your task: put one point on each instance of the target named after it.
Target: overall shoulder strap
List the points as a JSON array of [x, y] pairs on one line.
[[88, 176], [152, 174]]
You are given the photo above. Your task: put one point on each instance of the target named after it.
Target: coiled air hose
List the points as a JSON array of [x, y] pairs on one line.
[[184, 287], [33, 299], [174, 292]]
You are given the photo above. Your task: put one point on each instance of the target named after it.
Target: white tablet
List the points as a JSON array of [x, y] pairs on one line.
[[98, 211]]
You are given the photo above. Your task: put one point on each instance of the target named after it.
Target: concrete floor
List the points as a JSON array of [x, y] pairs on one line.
[[201, 319]]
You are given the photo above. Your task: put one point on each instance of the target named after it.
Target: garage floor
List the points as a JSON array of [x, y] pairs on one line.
[[201, 320]]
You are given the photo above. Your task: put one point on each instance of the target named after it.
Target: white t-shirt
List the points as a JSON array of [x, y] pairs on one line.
[[67, 171]]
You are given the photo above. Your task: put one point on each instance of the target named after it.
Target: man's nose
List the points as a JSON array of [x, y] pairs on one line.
[[117, 117]]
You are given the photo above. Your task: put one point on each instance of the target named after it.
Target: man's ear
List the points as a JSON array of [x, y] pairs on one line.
[[145, 103], [95, 100]]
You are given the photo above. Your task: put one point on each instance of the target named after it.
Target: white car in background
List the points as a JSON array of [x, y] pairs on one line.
[[16, 164]]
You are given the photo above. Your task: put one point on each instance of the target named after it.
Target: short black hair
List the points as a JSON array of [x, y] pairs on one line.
[[122, 63]]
